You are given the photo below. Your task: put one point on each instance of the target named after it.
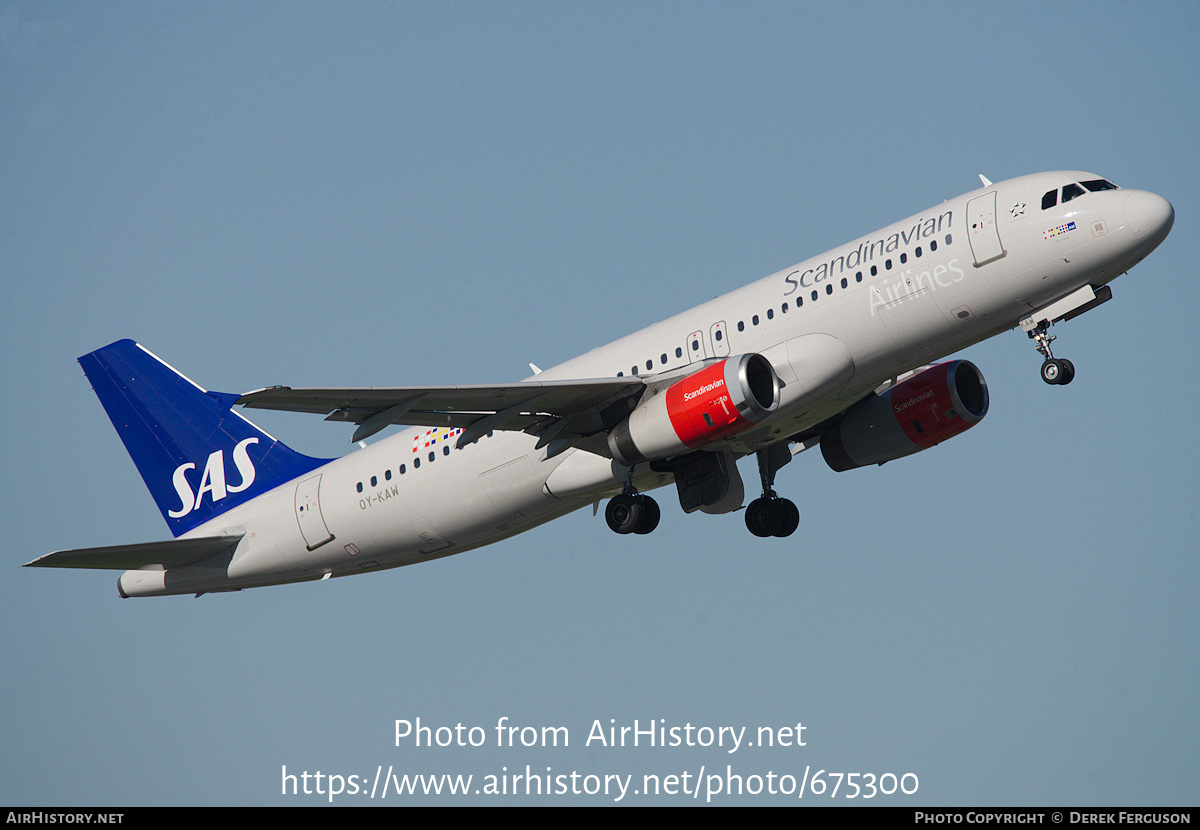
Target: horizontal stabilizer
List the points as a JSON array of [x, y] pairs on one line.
[[172, 553]]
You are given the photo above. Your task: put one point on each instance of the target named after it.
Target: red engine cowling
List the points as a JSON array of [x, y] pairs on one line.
[[719, 400], [931, 406]]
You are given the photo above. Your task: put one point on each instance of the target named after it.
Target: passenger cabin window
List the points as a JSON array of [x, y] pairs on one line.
[[1071, 191], [1050, 200]]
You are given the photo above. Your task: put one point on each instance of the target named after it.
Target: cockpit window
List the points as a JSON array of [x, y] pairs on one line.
[[1096, 185], [1070, 191], [1050, 200]]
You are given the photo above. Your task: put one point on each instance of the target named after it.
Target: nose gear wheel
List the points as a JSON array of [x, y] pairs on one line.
[[1055, 371]]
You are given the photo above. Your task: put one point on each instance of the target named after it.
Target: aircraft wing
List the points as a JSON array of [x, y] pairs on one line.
[[172, 553], [568, 409]]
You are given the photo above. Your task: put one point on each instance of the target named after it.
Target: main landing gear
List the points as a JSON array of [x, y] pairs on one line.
[[771, 515], [1055, 370], [632, 513]]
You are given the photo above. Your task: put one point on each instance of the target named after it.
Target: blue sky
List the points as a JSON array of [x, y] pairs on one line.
[[386, 194]]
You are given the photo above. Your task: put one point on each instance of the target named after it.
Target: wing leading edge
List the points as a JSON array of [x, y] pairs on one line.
[[566, 410]]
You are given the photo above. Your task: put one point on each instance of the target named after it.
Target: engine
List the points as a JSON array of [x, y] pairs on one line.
[[926, 409], [720, 400]]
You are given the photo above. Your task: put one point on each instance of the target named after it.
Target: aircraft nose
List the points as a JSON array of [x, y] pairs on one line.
[[1150, 216]]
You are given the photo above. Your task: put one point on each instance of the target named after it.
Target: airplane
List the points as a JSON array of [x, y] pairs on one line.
[[836, 352]]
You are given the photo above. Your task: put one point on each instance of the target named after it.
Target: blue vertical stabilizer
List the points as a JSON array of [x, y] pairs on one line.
[[197, 456]]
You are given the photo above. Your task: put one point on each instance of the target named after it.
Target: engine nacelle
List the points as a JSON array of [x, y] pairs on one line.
[[718, 401], [913, 415]]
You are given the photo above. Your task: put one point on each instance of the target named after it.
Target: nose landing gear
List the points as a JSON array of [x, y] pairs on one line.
[[1056, 371], [1037, 325]]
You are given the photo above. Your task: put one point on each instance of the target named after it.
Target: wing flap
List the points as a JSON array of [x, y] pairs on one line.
[[172, 553]]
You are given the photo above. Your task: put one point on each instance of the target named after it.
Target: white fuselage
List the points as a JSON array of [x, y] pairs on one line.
[[893, 300]]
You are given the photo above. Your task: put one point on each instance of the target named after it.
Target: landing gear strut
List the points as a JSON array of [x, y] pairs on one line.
[[1037, 326], [1057, 371], [771, 515], [632, 513]]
